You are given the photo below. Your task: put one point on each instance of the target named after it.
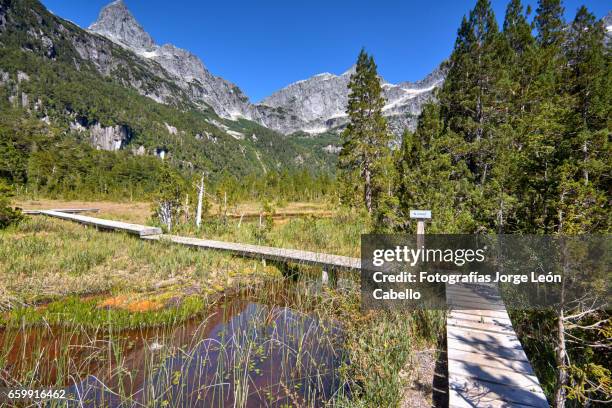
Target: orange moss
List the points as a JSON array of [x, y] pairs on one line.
[[116, 301], [133, 305], [144, 306]]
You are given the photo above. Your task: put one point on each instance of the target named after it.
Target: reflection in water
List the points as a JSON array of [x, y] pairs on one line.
[[245, 355]]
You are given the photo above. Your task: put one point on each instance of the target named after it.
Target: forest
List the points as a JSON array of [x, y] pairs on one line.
[[518, 142]]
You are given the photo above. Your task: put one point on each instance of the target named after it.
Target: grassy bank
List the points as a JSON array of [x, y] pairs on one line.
[[63, 279], [44, 259]]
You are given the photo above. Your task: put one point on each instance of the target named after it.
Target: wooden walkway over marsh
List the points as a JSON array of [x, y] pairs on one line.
[[140, 230], [326, 261], [487, 366]]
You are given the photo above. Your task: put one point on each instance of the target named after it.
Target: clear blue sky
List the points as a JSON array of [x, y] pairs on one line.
[[264, 45]]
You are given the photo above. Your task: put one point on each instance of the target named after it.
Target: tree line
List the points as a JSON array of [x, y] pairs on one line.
[[517, 141]]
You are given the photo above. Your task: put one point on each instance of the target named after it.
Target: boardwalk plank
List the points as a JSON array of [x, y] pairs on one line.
[[466, 315], [462, 368], [483, 327], [480, 348], [487, 366], [270, 253], [501, 314], [140, 230], [460, 402], [479, 393], [64, 210], [519, 366]]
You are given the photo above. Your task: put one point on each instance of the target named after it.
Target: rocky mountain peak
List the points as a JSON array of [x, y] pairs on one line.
[[117, 23], [320, 101], [350, 71], [316, 104]]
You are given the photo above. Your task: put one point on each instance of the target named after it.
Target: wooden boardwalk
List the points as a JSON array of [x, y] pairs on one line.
[[63, 210], [140, 230], [325, 261], [487, 366]]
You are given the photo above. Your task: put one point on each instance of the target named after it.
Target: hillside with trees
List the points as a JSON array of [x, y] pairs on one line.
[[51, 97]]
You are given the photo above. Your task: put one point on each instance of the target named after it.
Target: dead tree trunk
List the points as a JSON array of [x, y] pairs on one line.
[[200, 199], [367, 188], [561, 350], [561, 355], [165, 214]]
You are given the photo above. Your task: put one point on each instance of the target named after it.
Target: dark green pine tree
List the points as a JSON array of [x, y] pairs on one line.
[[474, 105], [8, 214], [365, 149], [432, 175], [516, 51], [519, 51], [588, 69], [585, 165], [516, 28], [469, 97], [541, 123], [549, 23]]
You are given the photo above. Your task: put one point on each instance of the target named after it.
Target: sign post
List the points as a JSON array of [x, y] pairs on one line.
[[420, 216]]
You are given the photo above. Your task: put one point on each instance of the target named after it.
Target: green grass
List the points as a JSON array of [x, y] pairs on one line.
[[75, 311], [338, 235], [44, 259]]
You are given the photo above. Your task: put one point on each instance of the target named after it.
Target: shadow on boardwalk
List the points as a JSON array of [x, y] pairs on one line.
[[491, 369]]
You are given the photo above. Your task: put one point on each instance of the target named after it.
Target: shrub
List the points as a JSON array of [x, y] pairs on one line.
[[8, 215]]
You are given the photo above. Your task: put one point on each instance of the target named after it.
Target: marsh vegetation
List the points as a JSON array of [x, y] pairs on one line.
[[115, 321]]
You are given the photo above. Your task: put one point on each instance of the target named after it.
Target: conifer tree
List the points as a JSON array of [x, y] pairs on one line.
[[468, 97], [365, 148], [516, 51], [8, 214], [549, 23], [587, 63], [432, 176], [585, 163], [516, 28]]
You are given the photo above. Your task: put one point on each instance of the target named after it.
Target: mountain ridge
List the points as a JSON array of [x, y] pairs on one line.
[[59, 82], [314, 105]]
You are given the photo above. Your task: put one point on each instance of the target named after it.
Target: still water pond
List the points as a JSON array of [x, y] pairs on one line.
[[245, 354]]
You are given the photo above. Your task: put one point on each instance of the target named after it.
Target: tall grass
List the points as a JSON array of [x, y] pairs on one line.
[[54, 263], [44, 259]]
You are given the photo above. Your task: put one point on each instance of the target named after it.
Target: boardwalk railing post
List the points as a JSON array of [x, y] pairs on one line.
[[420, 216], [329, 276], [420, 233]]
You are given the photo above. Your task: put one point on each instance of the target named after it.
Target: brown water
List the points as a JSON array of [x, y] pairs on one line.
[[244, 354]]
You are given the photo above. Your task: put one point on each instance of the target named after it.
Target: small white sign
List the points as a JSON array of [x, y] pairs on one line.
[[420, 214]]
